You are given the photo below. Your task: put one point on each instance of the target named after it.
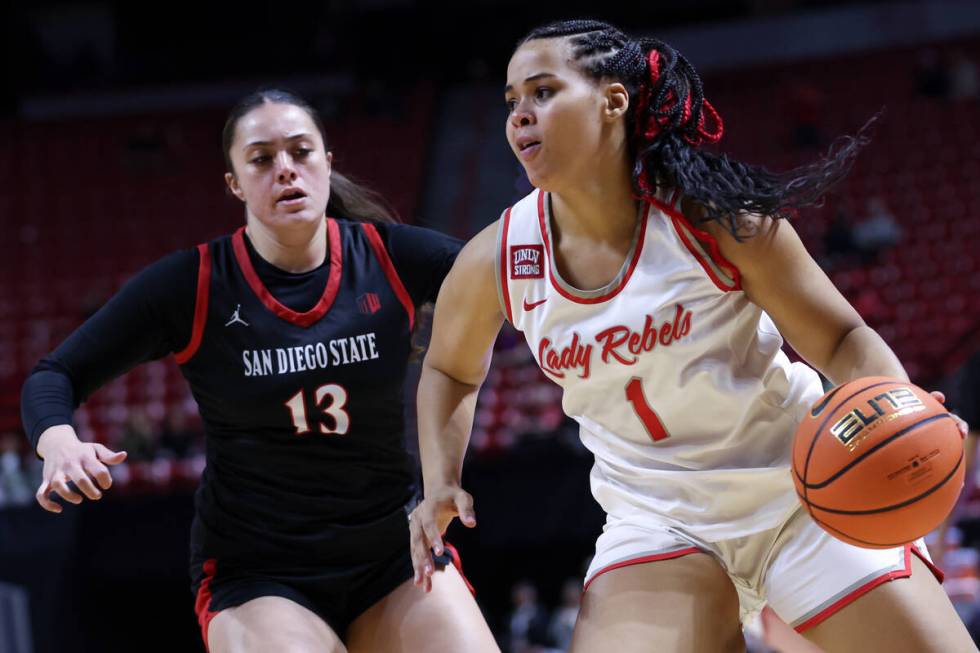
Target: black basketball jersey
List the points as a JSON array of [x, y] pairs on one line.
[[303, 410]]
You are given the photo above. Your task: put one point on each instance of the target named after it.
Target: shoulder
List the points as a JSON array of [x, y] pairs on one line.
[[748, 240]]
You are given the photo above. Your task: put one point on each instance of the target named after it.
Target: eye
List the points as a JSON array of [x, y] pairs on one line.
[[543, 92], [303, 152], [260, 159], [511, 104]]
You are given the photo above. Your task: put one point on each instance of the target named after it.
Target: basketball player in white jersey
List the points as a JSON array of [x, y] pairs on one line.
[[649, 288]]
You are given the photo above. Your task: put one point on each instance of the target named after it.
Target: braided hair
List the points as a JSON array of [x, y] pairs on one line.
[[671, 118]]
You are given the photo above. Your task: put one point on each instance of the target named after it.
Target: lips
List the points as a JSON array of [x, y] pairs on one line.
[[527, 146], [291, 195]]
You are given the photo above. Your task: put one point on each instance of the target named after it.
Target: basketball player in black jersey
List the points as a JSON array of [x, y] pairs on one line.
[[294, 334]]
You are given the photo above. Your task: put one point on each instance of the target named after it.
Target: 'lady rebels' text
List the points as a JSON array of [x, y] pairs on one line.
[[619, 343]]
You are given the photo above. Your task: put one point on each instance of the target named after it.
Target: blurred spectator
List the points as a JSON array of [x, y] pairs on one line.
[[838, 241], [933, 75], [15, 484], [138, 440], [177, 439], [563, 619], [878, 231], [962, 583], [527, 627], [964, 79], [805, 105]]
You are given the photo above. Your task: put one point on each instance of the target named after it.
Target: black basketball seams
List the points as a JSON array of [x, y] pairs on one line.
[[907, 502], [856, 461], [823, 424]]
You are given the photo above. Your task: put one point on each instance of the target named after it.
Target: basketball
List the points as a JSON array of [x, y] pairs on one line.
[[878, 462]]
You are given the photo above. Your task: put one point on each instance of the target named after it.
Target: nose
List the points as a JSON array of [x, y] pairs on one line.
[[285, 171], [521, 116]]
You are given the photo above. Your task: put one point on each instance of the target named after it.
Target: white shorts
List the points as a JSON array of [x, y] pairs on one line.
[[804, 574]]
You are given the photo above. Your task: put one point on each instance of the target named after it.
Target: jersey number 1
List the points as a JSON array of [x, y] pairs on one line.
[[335, 409], [634, 395]]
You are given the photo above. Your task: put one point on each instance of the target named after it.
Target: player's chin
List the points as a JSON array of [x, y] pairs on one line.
[[539, 178]]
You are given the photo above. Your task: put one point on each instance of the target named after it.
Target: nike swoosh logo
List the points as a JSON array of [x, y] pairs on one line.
[[533, 305], [818, 408]]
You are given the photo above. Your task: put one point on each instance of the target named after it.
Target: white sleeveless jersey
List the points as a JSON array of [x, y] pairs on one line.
[[676, 379]]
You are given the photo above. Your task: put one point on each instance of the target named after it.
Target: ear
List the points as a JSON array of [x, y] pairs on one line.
[[232, 181], [616, 101]]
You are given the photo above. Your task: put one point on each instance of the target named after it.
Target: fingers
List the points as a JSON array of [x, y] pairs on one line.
[[432, 535], [107, 455], [60, 485], [961, 425], [938, 396], [98, 472], [44, 500], [464, 507], [84, 483], [421, 553]]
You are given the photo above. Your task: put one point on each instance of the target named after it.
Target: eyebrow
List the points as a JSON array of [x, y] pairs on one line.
[[532, 78], [294, 137]]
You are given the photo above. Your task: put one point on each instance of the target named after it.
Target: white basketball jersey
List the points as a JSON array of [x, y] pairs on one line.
[[676, 379]]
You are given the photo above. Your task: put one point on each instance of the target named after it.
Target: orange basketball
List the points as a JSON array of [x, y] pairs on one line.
[[878, 462]]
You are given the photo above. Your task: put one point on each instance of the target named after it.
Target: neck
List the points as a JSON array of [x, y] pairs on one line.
[[298, 249], [600, 206]]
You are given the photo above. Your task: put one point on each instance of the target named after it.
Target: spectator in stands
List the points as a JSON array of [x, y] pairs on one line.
[[139, 437], [964, 79], [15, 487], [177, 439], [933, 74], [838, 241], [527, 626], [805, 108], [878, 231], [563, 618]]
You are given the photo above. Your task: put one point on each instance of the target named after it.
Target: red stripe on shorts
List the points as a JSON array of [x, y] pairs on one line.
[[870, 585], [451, 550], [202, 604], [638, 561]]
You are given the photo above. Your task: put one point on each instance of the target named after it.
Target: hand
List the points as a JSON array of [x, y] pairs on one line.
[[429, 521], [960, 422], [67, 459]]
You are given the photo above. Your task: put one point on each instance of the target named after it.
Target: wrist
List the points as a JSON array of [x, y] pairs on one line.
[[54, 437]]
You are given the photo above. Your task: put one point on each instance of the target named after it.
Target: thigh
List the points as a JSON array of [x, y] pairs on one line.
[[685, 604], [407, 620], [271, 623], [907, 614]]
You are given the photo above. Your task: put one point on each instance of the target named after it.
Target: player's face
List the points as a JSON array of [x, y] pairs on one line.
[[282, 170], [555, 115]]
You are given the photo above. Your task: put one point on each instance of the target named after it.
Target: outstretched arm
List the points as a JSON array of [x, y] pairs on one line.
[[467, 319]]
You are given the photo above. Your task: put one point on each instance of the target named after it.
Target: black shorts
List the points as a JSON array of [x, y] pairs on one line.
[[337, 594]]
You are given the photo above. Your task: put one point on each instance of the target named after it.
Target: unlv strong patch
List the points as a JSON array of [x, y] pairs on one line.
[[527, 261]]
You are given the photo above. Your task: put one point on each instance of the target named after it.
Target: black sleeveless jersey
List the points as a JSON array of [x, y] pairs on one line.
[[304, 411], [302, 401]]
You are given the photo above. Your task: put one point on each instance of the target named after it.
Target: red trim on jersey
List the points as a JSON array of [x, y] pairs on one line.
[[936, 571], [638, 561], [870, 585], [374, 238], [505, 268], [202, 604], [681, 222], [329, 291], [454, 554], [622, 282], [200, 305]]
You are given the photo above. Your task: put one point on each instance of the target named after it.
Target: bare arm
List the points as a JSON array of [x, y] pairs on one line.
[[780, 276], [467, 319]]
